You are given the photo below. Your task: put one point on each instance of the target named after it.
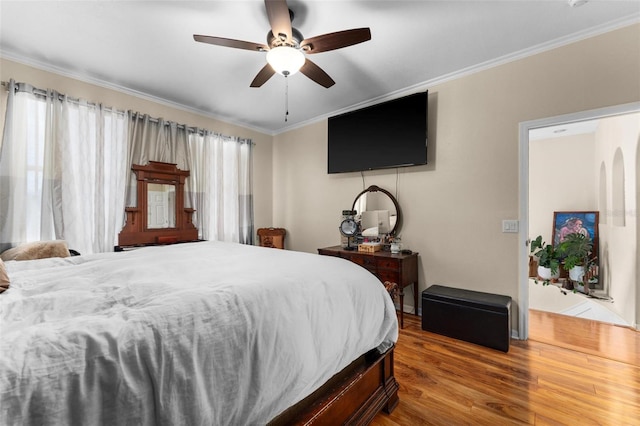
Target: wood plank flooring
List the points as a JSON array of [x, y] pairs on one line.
[[592, 337], [445, 381]]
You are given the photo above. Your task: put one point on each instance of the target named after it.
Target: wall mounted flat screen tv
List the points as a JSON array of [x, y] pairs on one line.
[[389, 134]]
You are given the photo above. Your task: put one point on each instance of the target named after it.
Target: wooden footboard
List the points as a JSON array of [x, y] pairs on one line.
[[353, 396]]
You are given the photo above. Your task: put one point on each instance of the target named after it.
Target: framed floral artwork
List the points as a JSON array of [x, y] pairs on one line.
[[579, 222]]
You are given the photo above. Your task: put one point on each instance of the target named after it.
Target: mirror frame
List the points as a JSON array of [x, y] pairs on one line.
[[135, 231], [375, 188]]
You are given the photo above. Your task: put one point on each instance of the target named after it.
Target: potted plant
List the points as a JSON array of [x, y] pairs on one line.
[[576, 254], [548, 260]]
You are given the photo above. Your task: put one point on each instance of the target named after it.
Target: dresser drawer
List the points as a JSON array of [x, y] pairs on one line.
[[401, 269], [387, 263], [364, 261], [388, 275]]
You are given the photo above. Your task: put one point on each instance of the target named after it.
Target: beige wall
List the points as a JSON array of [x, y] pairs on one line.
[[262, 161], [618, 244], [453, 207], [562, 177]]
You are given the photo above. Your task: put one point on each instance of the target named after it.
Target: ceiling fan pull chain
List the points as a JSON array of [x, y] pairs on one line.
[[286, 98]]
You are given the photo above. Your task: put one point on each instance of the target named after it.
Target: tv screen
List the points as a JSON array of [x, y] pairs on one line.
[[389, 134]]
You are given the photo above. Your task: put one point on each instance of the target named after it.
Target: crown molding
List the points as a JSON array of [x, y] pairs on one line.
[[483, 66], [425, 85], [123, 89]]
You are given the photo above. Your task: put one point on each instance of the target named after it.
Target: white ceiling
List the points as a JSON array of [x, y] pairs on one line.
[[147, 47]]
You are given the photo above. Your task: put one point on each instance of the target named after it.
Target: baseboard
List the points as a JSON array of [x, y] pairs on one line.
[[409, 309]]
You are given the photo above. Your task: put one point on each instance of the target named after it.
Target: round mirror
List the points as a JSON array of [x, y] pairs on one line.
[[377, 207]]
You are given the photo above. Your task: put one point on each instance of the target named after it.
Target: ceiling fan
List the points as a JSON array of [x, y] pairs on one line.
[[286, 47]]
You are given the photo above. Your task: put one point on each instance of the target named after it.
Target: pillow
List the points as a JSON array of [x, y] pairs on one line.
[[37, 250], [4, 278]]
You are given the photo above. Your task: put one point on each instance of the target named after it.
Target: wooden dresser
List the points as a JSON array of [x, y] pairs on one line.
[[401, 269]]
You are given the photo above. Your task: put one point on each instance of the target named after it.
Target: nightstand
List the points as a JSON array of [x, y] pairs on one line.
[[399, 268]]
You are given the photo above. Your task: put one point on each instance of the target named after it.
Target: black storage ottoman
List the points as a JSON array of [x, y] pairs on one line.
[[472, 316]]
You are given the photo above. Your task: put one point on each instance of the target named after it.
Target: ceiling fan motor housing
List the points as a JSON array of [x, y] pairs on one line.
[[281, 40]]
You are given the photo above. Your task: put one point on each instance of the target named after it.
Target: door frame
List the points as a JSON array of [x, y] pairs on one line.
[[523, 190]]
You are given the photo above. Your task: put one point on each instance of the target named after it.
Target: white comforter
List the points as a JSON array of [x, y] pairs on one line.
[[203, 333]]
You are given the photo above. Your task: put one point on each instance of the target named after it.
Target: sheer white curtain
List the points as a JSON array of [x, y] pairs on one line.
[[21, 169], [65, 166], [152, 139], [245, 191], [221, 185], [62, 171]]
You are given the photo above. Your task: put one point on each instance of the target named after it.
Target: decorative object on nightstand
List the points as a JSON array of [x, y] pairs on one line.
[[370, 247], [396, 244], [271, 237], [348, 228]]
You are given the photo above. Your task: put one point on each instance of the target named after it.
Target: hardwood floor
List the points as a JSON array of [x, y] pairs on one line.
[[591, 337], [445, 381]]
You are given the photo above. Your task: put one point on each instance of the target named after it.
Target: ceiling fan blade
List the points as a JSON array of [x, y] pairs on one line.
[[228, 42], [263, 75], [316, 74], [279, 19], [337, 40]]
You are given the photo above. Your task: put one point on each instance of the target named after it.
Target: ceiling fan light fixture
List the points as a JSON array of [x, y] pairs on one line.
[[287, 48], [285, 60]]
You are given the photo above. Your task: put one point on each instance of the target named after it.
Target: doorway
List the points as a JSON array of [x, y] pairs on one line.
[[611, 213]]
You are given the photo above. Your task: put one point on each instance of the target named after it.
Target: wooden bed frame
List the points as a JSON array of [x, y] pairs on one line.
[[353, 396]]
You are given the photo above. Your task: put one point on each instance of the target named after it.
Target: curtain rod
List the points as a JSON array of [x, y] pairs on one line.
[[41, 92]]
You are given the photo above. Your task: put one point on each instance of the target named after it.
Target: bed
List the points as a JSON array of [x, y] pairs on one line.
[[205, 333]]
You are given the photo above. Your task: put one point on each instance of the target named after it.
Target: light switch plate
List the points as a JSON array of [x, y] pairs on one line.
[[509, 225]]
